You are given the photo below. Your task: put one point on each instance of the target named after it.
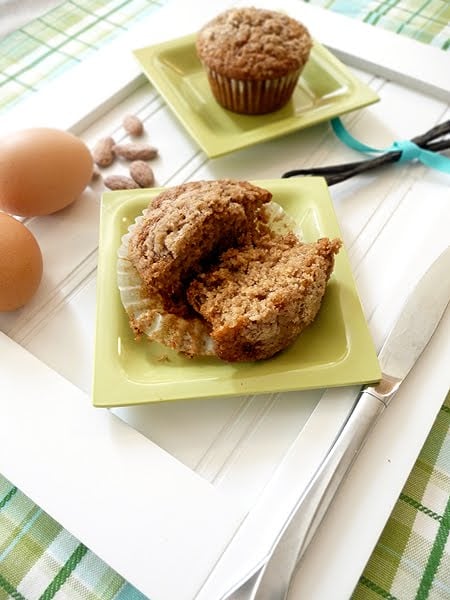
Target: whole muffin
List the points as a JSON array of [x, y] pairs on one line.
[[253, 58]]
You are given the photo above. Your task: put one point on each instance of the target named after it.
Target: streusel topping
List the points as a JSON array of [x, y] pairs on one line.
[[251, 43]]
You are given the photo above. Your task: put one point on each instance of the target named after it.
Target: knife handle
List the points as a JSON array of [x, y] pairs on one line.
[[309, 511]]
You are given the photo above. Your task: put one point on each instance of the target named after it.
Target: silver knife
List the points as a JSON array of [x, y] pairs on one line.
[[404, 344]]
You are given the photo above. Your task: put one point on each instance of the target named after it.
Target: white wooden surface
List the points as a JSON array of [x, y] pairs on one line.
[[394, 223]]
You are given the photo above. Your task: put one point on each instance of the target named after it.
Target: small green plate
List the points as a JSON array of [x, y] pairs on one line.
[[325, 90], [336, 350]]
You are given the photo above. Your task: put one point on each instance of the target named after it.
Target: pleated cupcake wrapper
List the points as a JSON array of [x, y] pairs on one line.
[[146, 312], [252, 97]]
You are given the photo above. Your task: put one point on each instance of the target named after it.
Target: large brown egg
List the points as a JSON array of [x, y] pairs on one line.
[[20, 264], [42, 170]]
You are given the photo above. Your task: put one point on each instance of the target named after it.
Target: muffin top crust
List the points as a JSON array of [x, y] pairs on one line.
[[252, 43], [185, 226]]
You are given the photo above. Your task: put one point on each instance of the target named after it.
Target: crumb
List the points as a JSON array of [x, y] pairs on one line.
[[163, 358], [188, 226]]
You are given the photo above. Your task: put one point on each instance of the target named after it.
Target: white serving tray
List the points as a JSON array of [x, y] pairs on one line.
[[202, 487]]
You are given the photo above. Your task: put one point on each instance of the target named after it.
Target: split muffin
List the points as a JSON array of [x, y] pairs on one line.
[[214, 268]]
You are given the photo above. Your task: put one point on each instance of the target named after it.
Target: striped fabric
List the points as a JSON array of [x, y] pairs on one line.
[[38, 558], [412, 557], [427, 21], [41, 560], [60, 39]]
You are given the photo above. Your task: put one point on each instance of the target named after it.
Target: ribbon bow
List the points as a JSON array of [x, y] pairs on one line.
[[409, 149]]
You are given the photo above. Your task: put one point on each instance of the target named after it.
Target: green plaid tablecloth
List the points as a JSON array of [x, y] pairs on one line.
[[38, 558], [412, 556], [51, 45]]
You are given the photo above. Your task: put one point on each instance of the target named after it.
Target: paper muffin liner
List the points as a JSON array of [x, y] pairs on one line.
[[146, 312], [252, 97]]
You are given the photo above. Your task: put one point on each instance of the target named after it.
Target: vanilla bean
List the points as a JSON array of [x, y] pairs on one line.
[[437, 146], [337, 173], [433, 133]]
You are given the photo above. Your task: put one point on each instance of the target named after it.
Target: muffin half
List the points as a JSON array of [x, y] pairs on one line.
[[257, 300]]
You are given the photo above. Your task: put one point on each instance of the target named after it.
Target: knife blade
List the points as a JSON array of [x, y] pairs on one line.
[[403, 346]]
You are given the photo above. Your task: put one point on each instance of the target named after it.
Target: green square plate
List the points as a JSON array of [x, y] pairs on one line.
[[325, 90], [336, 350]]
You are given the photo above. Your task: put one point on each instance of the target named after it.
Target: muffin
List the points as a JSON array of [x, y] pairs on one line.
[[182, 231], [186, 226], [147, 316], [258, 299], [253, 58], [215, 268]]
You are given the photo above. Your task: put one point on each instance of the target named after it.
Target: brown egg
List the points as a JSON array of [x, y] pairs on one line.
[[42, 170], [20, 264]]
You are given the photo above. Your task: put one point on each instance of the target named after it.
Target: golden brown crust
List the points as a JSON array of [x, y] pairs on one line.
[[258, 299], [188, 225], [251, 43]]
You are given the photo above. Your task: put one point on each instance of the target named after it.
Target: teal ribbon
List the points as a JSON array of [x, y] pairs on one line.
[[409, 150]]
